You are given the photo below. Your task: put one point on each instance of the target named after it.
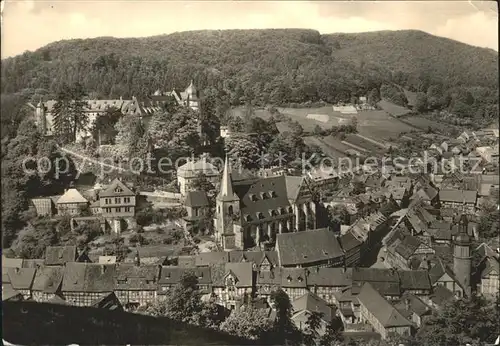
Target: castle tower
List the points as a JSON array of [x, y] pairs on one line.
[[227, 207], [192, 96], [462, 261], [40, 118]]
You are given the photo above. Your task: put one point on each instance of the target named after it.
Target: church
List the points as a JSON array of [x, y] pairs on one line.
[[250, 212]]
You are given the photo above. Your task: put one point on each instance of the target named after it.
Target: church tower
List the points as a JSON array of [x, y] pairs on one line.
[[227, 209], [462, 261]]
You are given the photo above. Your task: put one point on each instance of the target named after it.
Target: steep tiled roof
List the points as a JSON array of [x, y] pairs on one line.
[[293, 277], [438, 270], [348, 241], [441, 295], [293, 185], [192, 168], [48, 279], [269, 277], [407, 247], [12, 262], [21, 278], [334, 277], [211, 258], [414, 280], [59, 255], [256, 257], [72, 196], [196, 199], [186, 261], [381, 309], [307, 247], [374, 275], [255, 207], [170, 275], [458, 196], [89, 277], [415, 305], [116, 189], [313, 303], [243, 272], [132, 277]]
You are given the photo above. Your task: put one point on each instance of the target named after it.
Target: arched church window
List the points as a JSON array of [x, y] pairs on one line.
[[230, 210]]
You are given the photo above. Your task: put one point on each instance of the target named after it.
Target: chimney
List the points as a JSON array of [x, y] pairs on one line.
[[17, 270], [103, 269]]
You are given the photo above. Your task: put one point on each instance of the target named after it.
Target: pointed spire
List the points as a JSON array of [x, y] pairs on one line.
[[226, 187]]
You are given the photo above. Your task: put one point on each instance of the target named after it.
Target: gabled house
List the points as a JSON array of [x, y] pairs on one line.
[[385, 281], [21, 280], [71, 203], [325, 282], [232, 284], [416, 282], [208, 259], [384, 318], [84, 283], [60, 255], [171, 276], [305, 305], [117, 202], [136, 284], [458, 199], [48, 283], [309, 249], [267, 281], [413, 309], [294, 282], [407, 252], [351, 246], [261, 260], [439, 297], [442, 276], [197, 207], [488, 274]]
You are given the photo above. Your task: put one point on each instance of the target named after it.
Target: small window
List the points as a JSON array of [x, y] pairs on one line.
[[118, 189], [230, 210], [273, 194], [253, 198], [260, 215], [263, 195]]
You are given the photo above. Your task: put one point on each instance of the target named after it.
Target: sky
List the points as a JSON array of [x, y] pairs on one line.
[[31, 24]]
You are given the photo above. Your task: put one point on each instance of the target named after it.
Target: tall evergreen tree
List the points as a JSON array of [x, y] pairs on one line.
[[68, 112]]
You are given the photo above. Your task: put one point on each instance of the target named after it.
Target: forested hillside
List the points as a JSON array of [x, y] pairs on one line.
[[268, 66]]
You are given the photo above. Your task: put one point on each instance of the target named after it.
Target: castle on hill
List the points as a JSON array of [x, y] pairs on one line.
[[44, 111]]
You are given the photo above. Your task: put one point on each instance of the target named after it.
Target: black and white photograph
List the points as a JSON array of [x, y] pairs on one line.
[[286, 173]]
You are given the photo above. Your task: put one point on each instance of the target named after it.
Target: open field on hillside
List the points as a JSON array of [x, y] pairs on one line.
[[308, 118], [333, 152], [363, 143], [393, 109], [380, 126], [423, 123]]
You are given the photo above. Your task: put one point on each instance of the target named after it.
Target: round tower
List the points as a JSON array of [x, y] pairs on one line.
[[462, 260], [40, 119]]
